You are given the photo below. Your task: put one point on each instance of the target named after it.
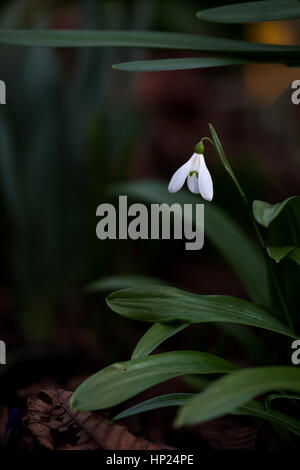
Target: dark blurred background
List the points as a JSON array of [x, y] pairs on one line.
[[72, 127]]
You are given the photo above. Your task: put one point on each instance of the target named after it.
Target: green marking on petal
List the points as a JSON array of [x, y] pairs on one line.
[[191, 173]]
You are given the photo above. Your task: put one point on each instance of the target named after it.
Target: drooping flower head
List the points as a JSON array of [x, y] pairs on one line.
[[197, 175]]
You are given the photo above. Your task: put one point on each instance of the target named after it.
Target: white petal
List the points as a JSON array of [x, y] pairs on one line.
[[193, 185], [205, 182], [179, 177], [196, 162]]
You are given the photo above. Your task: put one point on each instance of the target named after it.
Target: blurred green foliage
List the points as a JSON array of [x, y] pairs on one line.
[[63, 138]]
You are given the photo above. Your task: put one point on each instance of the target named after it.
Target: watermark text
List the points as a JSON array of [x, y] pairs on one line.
[[296, 354], [2, 92], [160, 222], [2, 353], [296, 94]]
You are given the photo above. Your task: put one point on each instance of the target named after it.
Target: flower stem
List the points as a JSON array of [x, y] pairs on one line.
[[208, 139]]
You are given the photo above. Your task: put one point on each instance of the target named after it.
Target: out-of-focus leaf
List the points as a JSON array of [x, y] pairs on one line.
[[152, 39], [197, 382], [266, 213], [252, 12], [249, 340], [162, 401], [277, 253], [228, 393], [295, 255], [283, 223], [157, 334], [123, 380], [178, 64], [168, 304], [220, 229], [121, 282], [8, 173], [280, 252]]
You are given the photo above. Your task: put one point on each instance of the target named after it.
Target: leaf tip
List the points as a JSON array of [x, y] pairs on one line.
[[178, 422], [108, 300], [74, 403]]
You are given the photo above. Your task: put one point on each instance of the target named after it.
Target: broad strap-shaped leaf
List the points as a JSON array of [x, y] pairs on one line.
[[277, 253], [157, 334], [252, 408], [266, 213], [151, 39], [123, 380], [252, 12], [220, 230], [112, 283], [228, 393], [178, 64], [169, 305]]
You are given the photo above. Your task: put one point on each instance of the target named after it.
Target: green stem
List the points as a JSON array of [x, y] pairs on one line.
[[208, 139], [271, 267], [219, 149]]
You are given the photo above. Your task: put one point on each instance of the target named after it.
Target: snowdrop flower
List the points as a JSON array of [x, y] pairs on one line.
[[198, 177]]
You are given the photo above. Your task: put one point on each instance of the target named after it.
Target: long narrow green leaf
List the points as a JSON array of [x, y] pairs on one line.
[[179, 64], [226, 394], [123, 380], [257, 409], [111, 283], [162, 401], [160, 332], [152, 39], [252, 408], [295, 255], [266, 213], [156, 335], [8, 174], [276, 396], [252, 12], [220, 230], [224, 160], [168, 304]]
